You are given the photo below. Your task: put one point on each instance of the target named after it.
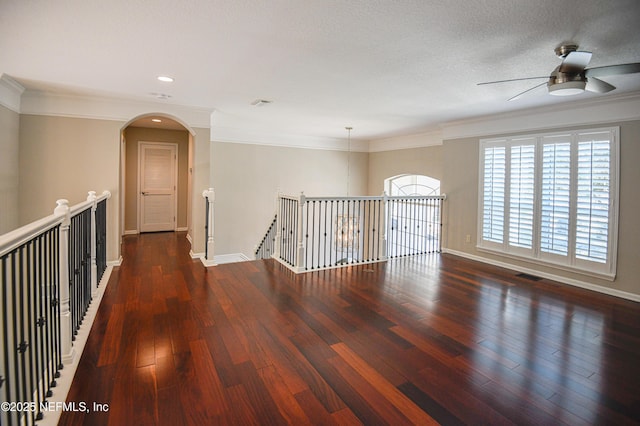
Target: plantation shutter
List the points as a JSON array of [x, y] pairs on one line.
[[555, 196], [521, 195], [552, 199], [592, 210], [494, 194]]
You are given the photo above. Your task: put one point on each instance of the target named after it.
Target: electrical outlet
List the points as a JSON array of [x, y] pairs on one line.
[[468, 240]]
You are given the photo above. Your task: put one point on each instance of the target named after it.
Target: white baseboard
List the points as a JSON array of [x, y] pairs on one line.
[[230, 258], [220, 259], [115, 262], [554, 277], [182, 229], [130, 232]]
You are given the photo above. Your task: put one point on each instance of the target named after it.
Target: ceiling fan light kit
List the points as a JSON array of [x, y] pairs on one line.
[[567, 88]]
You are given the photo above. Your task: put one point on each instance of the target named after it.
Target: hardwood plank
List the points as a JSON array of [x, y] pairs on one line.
[[285, 401], [412, 340], [378, 409], [211, 390], [386, 389], [111, 340]]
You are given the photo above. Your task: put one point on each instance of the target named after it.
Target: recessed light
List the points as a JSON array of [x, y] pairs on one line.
[[156, 120], [165, 78]]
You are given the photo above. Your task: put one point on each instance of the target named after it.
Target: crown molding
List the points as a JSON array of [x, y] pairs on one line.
[[418, 140], [10, 93], [106, 108], [599, 110], [270, 138]]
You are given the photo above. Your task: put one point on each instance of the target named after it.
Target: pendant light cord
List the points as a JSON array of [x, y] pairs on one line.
[[348, 158]]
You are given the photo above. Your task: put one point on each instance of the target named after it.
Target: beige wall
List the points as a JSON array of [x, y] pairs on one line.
[[135, 135], [247, 177], [9, 158], [66, 157], [425, 161], [460, 183]]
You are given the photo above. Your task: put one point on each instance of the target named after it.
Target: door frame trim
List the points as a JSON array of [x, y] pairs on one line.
[[175, 181]]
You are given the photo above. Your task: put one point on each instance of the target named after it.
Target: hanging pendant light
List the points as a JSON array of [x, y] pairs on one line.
[[347, 229]]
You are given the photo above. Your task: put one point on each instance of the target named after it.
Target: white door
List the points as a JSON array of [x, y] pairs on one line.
[[158, 180]]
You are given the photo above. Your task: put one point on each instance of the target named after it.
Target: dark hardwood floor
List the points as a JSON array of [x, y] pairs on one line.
[[423, 340]]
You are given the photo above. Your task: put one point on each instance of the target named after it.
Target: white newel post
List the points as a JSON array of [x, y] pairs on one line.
[[278, 241], [68, 352], [94, 263], [300, 253], [209, 195], [383, 228]]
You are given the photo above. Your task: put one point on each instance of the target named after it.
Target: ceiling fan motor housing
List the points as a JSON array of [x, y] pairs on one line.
[[564, 49], [566, 83]]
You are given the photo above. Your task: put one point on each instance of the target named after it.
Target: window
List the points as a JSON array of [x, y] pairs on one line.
[[412, 185], [552, 198], [413, 223]]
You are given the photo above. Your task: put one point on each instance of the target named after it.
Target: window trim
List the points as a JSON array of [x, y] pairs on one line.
[[535, 255]]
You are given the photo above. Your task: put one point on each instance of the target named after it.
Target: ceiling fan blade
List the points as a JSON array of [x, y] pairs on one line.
[[513, 79], [575, 62], [613, 70], [519, 95], [598, 86]]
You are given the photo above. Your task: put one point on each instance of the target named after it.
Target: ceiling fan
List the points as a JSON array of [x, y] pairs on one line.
[[572, 76]]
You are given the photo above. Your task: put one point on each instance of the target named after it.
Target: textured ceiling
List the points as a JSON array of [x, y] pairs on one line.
[[387, 68]]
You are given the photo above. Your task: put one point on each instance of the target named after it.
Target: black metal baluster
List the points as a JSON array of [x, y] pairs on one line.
[[377, 206], [308, 251], [349, 230], [432, 242], [41, 322], [23, 345], [394, 225], [290, 225], [101, 237], [422, 206], [331, 234], [8, 370], [359, 225], [27, 328], [439, 217], [284, 249], [324, 246], [56, 309]]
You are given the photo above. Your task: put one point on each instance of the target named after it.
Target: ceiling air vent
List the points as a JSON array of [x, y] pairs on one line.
[[260, 102]]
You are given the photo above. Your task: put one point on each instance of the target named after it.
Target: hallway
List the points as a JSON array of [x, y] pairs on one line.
[[411, 341]]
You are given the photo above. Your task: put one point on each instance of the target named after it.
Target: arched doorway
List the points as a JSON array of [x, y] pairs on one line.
[[153, 133]]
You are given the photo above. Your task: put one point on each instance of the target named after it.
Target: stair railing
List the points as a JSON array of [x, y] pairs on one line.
[[316, 233], [48, 271], [266, 248]]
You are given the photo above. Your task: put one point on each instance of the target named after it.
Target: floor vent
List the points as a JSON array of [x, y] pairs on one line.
[[528, 277]]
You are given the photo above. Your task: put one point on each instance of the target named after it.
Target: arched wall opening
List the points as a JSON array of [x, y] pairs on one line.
[[163, 130]]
